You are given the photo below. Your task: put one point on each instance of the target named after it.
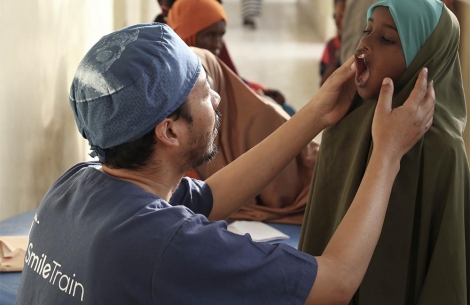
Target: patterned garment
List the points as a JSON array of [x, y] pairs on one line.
[[330, 55], [251, 8]]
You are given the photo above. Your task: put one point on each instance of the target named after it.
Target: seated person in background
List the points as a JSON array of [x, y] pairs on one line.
[[284, 199], [249, 118], [165, 6], [330, 60], [202, 24], [422, 256]]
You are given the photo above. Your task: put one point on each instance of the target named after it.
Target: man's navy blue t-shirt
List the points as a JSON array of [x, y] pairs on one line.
[[100, 240]]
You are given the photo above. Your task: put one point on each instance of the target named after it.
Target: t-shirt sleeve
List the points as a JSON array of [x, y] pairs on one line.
[[194, 194], [206, 264]]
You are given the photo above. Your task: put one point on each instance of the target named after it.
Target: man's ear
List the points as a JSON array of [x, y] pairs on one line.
[[168, 132]]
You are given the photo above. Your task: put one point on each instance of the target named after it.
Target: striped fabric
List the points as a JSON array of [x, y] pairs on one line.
[[251, 8]]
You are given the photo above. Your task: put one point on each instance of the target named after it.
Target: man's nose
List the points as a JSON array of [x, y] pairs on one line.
[[215, 99]]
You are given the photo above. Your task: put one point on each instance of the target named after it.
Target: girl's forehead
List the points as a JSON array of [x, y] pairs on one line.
[[415, 21], [382, 14]]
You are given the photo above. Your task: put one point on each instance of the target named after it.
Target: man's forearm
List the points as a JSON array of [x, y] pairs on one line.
[[246, 177]]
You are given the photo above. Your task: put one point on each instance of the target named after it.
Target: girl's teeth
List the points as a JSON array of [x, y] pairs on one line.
[[360, 56]]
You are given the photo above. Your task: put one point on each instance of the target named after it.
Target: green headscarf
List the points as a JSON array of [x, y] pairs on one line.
[[415, 20], [423, 253]]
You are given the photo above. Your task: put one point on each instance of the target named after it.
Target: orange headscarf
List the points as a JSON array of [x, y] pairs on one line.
[[189, 17]]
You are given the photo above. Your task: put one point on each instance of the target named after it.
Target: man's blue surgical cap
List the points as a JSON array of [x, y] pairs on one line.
[[415, 20], [129, 82]]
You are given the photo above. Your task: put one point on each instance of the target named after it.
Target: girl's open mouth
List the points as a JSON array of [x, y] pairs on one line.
[[362, 70]]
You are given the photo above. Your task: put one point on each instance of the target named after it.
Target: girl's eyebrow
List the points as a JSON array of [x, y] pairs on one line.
[[385, 25]]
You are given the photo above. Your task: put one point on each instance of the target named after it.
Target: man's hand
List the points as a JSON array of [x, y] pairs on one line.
[[335, 95], [395, 131]]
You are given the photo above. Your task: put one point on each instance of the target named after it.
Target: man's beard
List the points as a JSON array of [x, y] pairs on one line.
[[203, 154], [207, 157]]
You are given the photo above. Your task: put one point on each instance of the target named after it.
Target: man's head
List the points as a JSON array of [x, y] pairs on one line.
[[129, 83], [202, 128], [396, 30], [200, 23]]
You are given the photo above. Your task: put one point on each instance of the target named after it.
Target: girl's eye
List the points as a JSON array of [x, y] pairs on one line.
[[366, 32], [386, 41]]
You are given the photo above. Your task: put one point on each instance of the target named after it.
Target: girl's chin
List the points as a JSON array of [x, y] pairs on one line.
[[367, 93]]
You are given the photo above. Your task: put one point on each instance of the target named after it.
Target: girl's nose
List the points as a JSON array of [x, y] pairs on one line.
[[365, 43]]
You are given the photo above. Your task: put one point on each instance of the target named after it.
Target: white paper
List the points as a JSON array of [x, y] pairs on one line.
[[12, 253], [259, 231]]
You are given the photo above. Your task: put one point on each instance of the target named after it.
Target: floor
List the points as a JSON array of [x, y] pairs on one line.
[[283, 52]]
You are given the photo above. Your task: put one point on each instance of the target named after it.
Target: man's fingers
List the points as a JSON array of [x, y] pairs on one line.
[[420, 88], [429, 124], [430, 96], [348, 63], [428, 117], [386, 96], [427, 105], [346, 71]]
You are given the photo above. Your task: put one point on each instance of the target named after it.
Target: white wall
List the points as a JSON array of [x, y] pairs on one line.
[[320, 15], [42, 44], [128, 12]]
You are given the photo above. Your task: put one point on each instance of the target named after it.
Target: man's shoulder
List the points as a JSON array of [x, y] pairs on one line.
[[81, 165], [72, 171], [194, 194]]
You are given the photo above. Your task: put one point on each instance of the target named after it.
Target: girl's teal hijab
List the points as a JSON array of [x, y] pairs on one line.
[[415, 20]]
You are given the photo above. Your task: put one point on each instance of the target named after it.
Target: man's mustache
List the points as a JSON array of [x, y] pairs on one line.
[[218, 116]]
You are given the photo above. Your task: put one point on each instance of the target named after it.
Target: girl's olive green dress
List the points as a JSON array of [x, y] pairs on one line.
[[422, 256]]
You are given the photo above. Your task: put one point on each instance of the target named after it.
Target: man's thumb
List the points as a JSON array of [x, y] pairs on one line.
[[386, 95]]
